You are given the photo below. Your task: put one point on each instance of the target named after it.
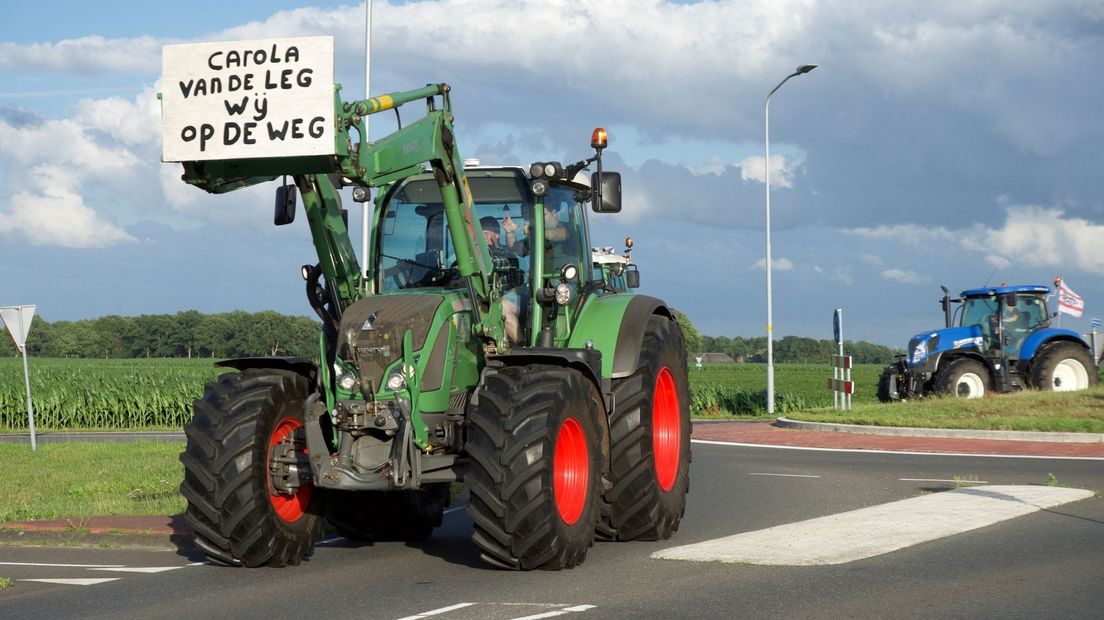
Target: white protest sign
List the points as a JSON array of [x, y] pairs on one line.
[[246, 99], [18, 321]]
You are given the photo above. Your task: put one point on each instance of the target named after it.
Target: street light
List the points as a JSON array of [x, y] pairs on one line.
[[803, 69]]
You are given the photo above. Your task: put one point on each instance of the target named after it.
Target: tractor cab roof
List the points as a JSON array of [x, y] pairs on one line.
[[1002, 290]]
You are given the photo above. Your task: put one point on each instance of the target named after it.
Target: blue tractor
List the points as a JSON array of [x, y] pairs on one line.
[[996, 339]]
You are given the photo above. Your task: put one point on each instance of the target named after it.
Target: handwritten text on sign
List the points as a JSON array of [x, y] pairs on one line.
[[242, 99]]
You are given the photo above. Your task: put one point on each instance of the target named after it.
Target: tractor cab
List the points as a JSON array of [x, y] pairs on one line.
[[1005, 315]]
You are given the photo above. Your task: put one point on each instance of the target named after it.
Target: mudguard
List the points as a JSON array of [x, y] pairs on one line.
[[300, 365], [615, 325], [1041, 337]]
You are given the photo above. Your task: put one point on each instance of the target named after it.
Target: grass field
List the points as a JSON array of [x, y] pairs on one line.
[[62, 480]]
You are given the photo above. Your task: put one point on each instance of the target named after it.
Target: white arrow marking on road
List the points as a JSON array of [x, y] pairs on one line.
[[434, 612], [943, 480], [74, 582], [783, 475], [559, 612], [140, 569], [867, 532]]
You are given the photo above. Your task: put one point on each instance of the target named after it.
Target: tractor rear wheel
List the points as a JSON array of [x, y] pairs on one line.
[[963, 378], [406, 516], [246, 471], [650, 441], [1063, 367], [533, 441]]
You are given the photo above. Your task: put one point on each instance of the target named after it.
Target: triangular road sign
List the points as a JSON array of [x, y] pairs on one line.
[[18, 321]]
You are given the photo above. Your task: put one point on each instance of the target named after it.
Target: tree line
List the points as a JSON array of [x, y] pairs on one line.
[[242, 334], [796, 350], [184, 334]]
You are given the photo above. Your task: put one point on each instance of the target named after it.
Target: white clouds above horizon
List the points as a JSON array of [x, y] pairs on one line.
[[1029, 236], [777, 264], [892, 150]]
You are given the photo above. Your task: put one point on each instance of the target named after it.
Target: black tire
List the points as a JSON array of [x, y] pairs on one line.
[[406, 516], [237, 519], [647, 494], [1063, 367], [963, 378], [534, 476], [883, 384]]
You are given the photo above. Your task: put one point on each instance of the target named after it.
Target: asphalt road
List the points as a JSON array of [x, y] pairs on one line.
[[1045, 564]]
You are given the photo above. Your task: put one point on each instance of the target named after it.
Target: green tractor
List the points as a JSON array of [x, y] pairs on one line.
[[482, 344]]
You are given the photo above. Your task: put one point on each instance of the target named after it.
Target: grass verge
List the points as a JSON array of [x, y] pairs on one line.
[[73, 480], [1070, 412]]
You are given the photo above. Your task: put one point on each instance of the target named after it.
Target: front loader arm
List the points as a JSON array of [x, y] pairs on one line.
[[401, 154]]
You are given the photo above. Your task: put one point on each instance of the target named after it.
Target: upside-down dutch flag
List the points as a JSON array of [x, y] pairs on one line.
[[1068, 301]]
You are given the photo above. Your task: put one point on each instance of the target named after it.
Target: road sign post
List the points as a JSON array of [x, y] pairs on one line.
[[18, 321], [841, 384]]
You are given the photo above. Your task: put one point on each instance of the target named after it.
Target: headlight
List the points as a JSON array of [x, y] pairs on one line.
[[347, 382], [563, 294], [395, 382], [920, 352]]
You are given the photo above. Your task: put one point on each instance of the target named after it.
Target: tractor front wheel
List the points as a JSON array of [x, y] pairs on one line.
[[246, 471], [650, 441], [963, 378], [885, 394], [534, 477], [1063, 367]]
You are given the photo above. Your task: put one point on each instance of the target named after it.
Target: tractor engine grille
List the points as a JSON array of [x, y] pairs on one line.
[[372, 331]]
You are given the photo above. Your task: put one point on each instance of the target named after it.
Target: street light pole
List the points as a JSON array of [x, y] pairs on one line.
[[803, 69]]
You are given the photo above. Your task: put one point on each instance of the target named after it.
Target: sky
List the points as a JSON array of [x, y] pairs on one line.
[[936, 143]]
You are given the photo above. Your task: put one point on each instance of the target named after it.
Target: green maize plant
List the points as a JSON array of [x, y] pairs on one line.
[[88, 394]]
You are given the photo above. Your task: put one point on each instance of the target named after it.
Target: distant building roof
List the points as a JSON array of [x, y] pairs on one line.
[[716, 358]]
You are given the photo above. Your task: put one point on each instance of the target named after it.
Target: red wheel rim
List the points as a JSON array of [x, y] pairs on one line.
[[666, 430], [571, 469], [288, 507]]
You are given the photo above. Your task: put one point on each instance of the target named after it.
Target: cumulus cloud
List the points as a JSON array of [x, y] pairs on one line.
[[1044, 236], [87, 54], [50, 164], [902, 275], [1029, 236], [777, 264], [782, 170], [59, 217]]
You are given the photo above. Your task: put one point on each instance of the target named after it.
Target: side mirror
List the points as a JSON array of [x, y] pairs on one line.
[[608, 186], [632, 277], [285, 205]]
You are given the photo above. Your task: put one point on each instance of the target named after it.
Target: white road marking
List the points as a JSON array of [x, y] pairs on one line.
[[74, 582], [855, 451], [867, 532], [558, 612], [139, 569], [941, 480], [434, 612], [783, 475], [63, 565]]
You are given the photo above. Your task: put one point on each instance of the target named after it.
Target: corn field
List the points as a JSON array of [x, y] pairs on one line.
[[132, 394], [87, 394]]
